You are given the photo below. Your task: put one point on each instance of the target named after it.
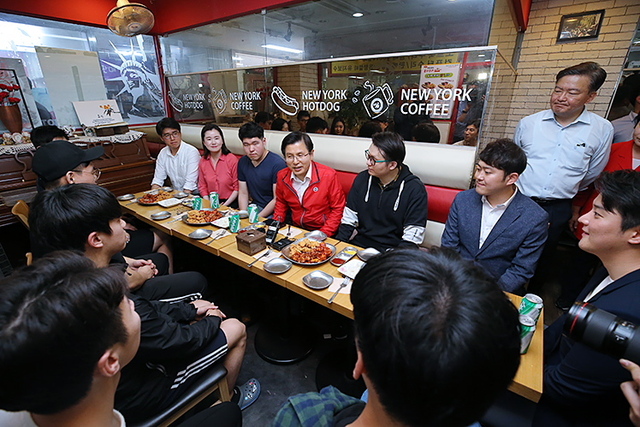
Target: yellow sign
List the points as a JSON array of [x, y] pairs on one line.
[[406, 64]]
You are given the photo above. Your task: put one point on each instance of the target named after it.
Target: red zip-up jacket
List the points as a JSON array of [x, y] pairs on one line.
[[322, 203]]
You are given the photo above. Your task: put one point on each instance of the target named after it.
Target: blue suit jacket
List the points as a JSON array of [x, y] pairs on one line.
[[511, 251], [582, 385]]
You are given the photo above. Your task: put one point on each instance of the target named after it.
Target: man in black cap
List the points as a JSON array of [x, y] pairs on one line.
[[60, 163]]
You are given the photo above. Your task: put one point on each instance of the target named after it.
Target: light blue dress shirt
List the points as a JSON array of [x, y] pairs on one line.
[[561, 160]]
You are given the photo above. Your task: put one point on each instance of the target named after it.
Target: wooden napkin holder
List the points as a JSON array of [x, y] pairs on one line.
[[251, 242]]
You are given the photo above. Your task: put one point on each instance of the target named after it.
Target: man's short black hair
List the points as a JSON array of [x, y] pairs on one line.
[[263, 117], [250, 130], [475, 123], [315, 124], [57, 318], [45, 134], [212, 126], [505, 155], [368, 129], [390, 145], [303, 113], [167, 123], [426, 132], [63, 218], [295, 137], [432, 328], [620, 192], [597, 75]]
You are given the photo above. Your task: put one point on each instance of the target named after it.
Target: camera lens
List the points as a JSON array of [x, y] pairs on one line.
[[603, 331]]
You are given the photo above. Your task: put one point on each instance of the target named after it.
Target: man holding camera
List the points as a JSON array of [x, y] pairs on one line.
[[581, 385]]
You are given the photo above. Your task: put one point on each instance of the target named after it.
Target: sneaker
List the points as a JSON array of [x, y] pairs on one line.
[[245, 395]]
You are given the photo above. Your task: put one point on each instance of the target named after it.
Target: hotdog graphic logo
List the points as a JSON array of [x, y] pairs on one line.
[[284, 102]]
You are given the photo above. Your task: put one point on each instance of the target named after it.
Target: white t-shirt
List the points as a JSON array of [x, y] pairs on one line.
[[23, 419], [182, 168]]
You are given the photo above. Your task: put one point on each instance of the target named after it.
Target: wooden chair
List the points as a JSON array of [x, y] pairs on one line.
[[21, 210], [214, 380]]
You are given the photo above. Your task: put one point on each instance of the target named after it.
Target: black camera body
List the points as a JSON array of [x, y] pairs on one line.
[[603, 331]]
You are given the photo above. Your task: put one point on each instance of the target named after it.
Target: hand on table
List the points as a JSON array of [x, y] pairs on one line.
[[631, 390]]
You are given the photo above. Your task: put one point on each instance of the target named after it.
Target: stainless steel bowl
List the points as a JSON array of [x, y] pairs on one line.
[[243, 214], [317, 280], [159, 216], [180, 195], [316, 235], [277, 266], [200, 233], [126, 197], [167, 189], [367, 254]]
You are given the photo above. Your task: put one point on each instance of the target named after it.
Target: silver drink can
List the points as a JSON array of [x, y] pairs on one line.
[[527, 329], [252, 210], [214, 198], [531, 306]]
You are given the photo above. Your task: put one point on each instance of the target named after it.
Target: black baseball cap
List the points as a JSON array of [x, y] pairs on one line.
[[53, 160]]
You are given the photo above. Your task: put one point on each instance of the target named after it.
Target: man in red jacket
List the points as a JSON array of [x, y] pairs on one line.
[[309, 190]]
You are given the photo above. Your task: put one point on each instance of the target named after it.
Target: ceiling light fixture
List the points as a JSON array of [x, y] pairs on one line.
[[358, 15], [282, 48]]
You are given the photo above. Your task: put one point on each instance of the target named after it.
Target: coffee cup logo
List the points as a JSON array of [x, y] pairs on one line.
[[377, 101]]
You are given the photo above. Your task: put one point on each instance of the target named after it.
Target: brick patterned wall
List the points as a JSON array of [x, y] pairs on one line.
[[542, 58]]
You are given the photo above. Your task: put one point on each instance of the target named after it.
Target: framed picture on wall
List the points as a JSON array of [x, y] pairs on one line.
[[579, 26]]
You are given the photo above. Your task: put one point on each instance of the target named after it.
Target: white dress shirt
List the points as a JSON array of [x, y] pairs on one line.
[[182, 168], [605, 282], [561, 160], [301, 185], [491, 215]]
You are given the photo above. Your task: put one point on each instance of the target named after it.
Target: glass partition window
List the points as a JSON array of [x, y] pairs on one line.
[[128, 67], [395, 91], [328, 29]]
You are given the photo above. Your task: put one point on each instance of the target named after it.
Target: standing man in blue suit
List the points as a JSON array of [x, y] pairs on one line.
[[494, 224]]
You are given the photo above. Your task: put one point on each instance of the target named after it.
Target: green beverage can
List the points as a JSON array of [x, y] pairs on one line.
[[215, 200], [531, 306], [527, 329], [234, 223], [197, 203], [253, 214]]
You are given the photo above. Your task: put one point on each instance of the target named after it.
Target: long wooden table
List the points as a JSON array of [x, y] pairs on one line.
[[528, 380]]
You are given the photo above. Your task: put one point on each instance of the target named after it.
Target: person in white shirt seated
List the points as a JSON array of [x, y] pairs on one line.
[[178, 161], [496, 225]]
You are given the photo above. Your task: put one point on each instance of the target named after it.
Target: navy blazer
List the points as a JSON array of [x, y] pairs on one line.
[[582, 386], [511, 251]]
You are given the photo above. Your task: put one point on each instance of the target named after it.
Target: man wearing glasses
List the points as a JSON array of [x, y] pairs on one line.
[[387, 205], [309, 190], [60, 163], [178, 161]]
